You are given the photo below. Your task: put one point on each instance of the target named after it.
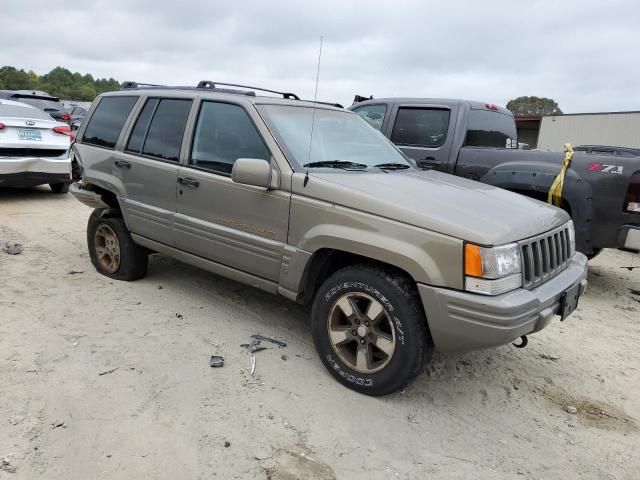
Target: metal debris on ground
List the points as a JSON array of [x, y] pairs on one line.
[[261, 338], [75, 272], [216, 361], [7, 467], [12, 248], [255, 345], [179, 316], [108, 371]]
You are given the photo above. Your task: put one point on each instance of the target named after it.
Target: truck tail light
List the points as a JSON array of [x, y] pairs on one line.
[[491, 106], [66, 117], [1, 126], [632, 201]]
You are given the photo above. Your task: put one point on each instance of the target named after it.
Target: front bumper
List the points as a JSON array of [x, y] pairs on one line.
[[461, 321], [31, 171]]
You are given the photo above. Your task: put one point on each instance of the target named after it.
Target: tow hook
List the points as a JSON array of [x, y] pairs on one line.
[[523, 342]]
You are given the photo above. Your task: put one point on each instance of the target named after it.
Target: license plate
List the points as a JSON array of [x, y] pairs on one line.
[[29, 135], [569, 301]]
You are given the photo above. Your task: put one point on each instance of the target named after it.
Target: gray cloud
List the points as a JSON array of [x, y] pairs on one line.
[[582, 53]]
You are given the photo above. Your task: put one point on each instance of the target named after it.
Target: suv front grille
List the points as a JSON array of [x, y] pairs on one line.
[[544, 256], [31, 152]]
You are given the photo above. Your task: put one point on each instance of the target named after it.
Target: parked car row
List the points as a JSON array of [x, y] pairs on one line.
[[306, 200]]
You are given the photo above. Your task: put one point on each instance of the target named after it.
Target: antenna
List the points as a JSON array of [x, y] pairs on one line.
[[313, 119]]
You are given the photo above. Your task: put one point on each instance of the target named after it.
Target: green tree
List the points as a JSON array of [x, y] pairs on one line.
[[533, 106]]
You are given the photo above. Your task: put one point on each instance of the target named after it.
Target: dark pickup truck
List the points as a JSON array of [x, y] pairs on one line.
[[479, 141]]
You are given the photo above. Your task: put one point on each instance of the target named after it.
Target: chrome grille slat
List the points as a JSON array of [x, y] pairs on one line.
[[544, 256]]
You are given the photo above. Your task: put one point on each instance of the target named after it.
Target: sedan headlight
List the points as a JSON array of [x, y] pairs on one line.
[[492, 270]]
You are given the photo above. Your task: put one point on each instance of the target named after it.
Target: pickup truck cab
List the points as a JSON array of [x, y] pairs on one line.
[[307, 201], [478, 141]]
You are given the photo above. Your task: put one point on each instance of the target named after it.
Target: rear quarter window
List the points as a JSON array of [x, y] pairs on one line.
[[489, 129], [107, 120]]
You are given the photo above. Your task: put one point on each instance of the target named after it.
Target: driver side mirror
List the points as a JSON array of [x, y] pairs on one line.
[[252, 171]]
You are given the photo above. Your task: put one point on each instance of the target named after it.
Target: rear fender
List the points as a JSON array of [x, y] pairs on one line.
[[534, 179]]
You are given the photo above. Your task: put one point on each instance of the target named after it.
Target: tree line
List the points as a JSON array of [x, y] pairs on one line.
[[59, 82]]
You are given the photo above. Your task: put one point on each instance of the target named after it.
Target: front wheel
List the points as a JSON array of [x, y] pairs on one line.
[[112, 250], [370, 330]]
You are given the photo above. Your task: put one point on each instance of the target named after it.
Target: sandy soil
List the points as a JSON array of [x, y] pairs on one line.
[[160, 411]]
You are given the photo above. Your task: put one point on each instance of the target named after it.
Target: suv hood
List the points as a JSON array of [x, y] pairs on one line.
[[439, 202]]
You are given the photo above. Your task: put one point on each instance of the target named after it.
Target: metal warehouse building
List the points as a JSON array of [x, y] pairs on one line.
[[621, 129]]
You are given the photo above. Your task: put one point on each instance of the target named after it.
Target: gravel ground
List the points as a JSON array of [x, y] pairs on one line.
[[105, 379]]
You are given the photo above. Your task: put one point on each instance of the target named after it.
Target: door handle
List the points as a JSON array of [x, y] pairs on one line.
[[122, 164], [189, 182], [429, 162]]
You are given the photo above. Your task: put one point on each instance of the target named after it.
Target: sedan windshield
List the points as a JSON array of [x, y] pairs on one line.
[[340, 139]]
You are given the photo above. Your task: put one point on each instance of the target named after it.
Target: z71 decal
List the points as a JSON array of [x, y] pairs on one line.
[[601, 167]]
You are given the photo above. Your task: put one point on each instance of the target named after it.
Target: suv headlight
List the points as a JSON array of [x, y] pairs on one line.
[[492, 271]]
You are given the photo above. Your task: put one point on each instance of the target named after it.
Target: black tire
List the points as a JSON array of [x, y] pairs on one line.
[[59, 187], [403, 311], [132, 258]]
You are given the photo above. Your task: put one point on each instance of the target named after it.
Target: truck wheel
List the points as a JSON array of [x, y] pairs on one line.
[[59, 187], [370, 330], [112, 250]]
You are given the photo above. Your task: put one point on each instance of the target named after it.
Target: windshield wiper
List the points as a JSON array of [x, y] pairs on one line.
[[392, 166], [345, 164]]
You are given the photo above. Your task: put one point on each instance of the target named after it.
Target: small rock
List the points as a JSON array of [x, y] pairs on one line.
[[284, 357], [520, 472], [262, 455], [108, 455], [227, 444], [571, 409]]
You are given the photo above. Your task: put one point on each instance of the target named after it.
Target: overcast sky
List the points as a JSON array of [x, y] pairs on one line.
[[583, 53]]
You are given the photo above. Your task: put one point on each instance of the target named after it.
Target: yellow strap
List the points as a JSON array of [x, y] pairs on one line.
[[555, 192]]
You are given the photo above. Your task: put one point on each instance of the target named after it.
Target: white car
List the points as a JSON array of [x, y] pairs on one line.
[[34, 148]]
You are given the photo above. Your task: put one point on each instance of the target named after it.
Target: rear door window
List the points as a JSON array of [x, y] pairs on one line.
[[491, 129], [421, 127], [107, 121], [159, 128], [373, 114], [224, 133]]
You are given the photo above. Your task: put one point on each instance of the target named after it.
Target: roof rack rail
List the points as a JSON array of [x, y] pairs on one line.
[[128, 84], [210, 84]]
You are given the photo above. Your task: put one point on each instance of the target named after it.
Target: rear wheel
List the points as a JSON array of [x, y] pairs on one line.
[[370, 330], [112, 250], [59, 187]]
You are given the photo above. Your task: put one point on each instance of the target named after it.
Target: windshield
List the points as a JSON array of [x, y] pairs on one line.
[[340, 139]]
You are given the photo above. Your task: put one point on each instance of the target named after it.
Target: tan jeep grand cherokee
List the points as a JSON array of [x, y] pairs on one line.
[[307, 200]]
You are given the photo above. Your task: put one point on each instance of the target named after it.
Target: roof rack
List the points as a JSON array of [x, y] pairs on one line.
[[210, 84]]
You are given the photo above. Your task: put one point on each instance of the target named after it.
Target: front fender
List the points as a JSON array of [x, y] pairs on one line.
[[428, 258]]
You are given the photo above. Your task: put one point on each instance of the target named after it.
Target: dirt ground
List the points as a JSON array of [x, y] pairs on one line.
[[105, 379]]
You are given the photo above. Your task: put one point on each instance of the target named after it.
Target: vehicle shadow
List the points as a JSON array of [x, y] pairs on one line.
[[33, 193]]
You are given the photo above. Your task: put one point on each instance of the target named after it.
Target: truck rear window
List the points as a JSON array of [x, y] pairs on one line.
[[491, 129]]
